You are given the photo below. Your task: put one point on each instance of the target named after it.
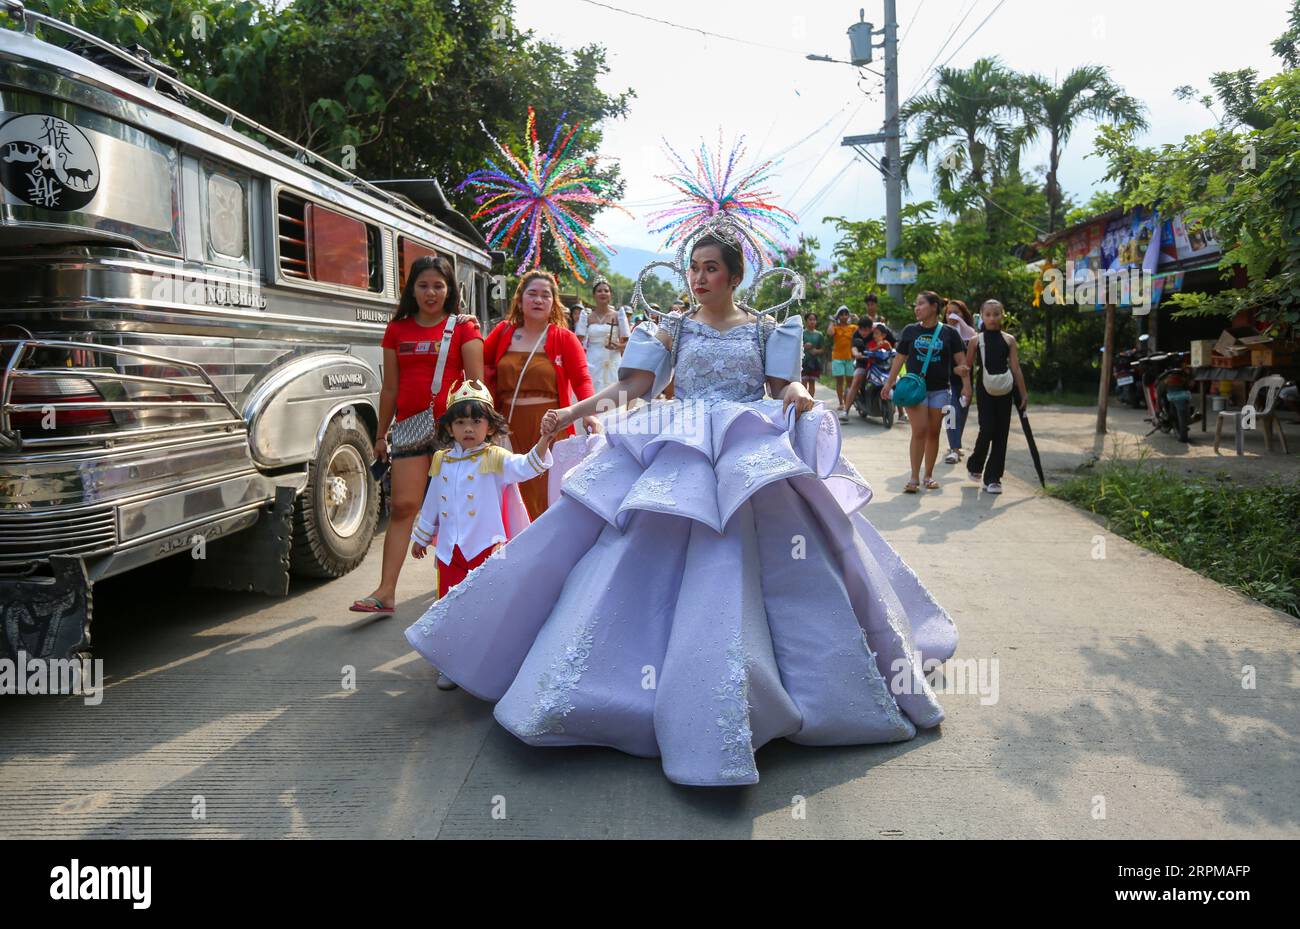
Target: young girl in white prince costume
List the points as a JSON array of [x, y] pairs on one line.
[[473, 502]]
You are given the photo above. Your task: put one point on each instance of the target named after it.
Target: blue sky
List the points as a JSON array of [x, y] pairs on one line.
[[690, 85]]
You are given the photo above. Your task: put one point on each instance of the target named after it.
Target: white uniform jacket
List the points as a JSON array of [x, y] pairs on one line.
[[472, 500]]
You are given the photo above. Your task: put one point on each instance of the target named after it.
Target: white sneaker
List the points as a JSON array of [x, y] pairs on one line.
[[951, 457], [446, 683], [994, 488], [975, 476], [844, 416]]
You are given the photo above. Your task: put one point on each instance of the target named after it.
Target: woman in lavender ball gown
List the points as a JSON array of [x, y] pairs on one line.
[[706, 583]]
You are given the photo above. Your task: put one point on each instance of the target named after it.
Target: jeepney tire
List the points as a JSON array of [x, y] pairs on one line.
[[318, 550]]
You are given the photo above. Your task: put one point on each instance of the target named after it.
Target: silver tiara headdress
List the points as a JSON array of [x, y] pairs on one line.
[[726, 229]]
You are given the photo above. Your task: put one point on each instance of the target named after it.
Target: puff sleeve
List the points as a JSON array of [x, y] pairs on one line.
[[785, 350], [645, 352]]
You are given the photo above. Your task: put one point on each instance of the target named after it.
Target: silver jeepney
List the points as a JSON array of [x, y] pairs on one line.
[[176, 364]]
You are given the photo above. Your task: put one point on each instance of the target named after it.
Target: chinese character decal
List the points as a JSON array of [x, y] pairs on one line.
[[47, 162]]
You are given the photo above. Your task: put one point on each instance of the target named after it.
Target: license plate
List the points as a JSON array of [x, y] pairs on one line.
[[1124, 381], [1177, 396]]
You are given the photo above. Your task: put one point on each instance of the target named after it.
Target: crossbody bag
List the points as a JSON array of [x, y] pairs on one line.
[[996, 385], [420, 430], [911, 387]]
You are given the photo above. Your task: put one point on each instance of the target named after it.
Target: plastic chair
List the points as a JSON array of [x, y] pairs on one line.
[[1265, 416]]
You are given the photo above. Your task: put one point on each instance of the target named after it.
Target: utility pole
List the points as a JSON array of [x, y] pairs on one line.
[[860, 35], [893, 147]]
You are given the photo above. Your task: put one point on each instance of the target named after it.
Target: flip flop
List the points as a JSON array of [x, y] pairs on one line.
[[911, 487], [370, 605], [931, 484]]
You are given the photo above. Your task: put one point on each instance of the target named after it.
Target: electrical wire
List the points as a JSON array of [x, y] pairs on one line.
[[925, 75], [817, 131], [695, 29], [808, 177], [817, 197], [993, 202], [908, 30], [972, 35]]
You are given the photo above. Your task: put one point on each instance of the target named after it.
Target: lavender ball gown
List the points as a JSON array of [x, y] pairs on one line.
[[705, 584]]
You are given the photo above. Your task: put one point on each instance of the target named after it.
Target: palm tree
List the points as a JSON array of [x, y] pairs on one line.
[[965, 121], [1087, 93]]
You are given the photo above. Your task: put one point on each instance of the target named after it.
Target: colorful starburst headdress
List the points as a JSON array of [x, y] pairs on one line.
[[532, 199], [726, 229], [714, 187]]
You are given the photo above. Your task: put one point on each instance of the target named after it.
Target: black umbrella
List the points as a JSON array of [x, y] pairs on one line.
[[1033, 448]]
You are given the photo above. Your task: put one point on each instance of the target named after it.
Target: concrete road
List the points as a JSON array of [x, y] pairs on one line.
[[1120, 710]]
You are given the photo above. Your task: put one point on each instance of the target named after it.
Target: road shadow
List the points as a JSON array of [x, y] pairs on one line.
[[893, 510], [1183, 710]]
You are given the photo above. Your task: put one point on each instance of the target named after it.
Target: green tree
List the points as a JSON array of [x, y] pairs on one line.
[[966, 125], [404, 82], [1057, 109], [800, 257], [862, 242], [1241, 179]]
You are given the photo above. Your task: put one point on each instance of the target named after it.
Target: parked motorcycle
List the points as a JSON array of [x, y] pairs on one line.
[[868, 402], [1128, 378], [1166, 384]]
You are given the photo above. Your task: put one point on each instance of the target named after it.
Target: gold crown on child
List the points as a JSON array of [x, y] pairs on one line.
[[471, 390]]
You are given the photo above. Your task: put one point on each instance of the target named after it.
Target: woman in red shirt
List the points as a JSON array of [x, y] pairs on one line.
[[535, 364], [411, 346]]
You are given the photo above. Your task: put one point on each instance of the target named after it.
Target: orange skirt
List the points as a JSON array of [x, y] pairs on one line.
[[525, 430]]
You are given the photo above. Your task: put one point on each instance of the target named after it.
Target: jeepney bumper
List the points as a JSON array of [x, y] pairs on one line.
[[46, 617]]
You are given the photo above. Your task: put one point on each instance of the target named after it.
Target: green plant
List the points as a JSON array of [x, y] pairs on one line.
[[1241, 179], [1241, 536], [405, 83]]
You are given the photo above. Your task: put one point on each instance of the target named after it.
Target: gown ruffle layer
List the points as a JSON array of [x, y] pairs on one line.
[[705, 584]]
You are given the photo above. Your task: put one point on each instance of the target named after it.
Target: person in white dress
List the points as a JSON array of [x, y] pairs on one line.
[[604, 333]]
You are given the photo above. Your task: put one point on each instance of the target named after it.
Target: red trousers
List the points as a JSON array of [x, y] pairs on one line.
[[449, 575]]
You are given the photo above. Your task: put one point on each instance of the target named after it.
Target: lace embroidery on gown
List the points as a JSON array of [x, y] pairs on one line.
[[733, 714], [714, 365], [653, 491], [553, 701]]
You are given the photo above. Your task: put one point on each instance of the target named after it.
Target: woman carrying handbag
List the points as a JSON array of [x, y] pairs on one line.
[[427, 348], [936, 352], [534, 364]]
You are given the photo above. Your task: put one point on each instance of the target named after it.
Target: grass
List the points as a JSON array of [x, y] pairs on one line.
[[1243, 537], [1067, 398]]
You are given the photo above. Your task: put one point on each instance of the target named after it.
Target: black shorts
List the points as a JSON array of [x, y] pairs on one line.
[[812, 367]]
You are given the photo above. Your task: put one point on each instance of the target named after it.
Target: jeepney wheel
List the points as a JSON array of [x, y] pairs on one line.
[[335, 517]]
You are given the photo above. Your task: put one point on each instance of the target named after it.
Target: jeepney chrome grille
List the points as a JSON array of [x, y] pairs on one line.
[[30, 535]]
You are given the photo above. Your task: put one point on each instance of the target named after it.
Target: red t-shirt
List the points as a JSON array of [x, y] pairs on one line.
[[417, 357]]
